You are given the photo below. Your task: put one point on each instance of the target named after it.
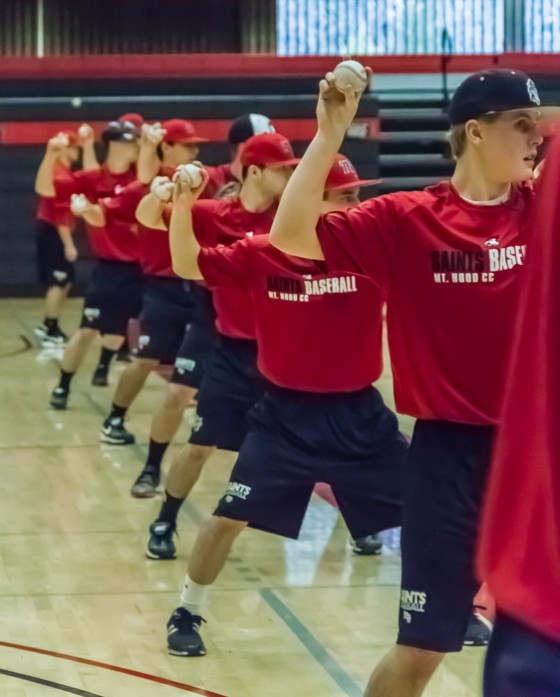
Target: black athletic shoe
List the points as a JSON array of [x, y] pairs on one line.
[[479, 630], [114, 433], [123, 356], [367, 546], [101, 376], [183, 638], [145, 487], [59, 398], [160, 544]]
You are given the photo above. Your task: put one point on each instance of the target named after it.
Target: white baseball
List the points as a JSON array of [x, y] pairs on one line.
[[76, 102], [162, 188], [85, 131], [78, 204], [350, 73], [191, 175]]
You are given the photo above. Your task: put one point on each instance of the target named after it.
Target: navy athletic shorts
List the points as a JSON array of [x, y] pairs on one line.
[[198, 340], [520, 662], [350, 441], [232, 385], [447, 472], [53, 268], [113, 296], [167, 309]]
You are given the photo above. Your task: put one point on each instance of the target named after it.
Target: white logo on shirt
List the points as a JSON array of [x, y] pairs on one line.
[[119, 189], [492, 242], [249, 234]]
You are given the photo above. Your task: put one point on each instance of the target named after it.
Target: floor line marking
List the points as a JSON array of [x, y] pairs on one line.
[[114, 669], [49, 683], [312, 644]]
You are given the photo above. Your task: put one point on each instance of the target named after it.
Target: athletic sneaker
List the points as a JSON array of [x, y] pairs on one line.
[[114, 433], [160, 544], [59, 398], [479, 630], [367, 546], [145, 487], [50, 337], [183, 638], [123, 356], [101, 376]]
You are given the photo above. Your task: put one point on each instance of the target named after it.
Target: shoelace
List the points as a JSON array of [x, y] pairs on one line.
[[184, 621]]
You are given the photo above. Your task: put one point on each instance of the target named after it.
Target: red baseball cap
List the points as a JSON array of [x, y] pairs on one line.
[[137, 120], [268, 149], [343, 175], [180, 131]]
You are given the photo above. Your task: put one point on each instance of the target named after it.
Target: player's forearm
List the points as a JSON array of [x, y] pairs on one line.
[[95, 216], [44, 181], [148, 163], [149, 212], [294, 227], [183, 244], [65, 234], [89, 158]]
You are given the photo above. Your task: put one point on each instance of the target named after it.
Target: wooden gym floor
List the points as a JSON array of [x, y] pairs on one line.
[[83, 611]]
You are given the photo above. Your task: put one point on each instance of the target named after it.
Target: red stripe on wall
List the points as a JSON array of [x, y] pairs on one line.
[[255, 65], [32, 133]]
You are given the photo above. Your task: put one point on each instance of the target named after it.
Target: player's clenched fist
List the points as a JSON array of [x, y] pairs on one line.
[[79, 205], [162, 188], [153, 133], [337, 107], [57, 143]]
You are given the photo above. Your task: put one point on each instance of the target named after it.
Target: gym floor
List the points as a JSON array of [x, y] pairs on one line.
[[84, 611]]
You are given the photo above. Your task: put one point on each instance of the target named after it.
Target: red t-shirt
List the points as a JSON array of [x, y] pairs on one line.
[[223, 222], [152, 243], [219, 177], [56, 211], [450, 269], [310, 324], [520, 540], [117, 240]]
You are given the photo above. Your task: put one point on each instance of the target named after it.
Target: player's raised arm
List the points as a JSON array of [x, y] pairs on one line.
[[182, 241], [294, 227], [44, 181], [86, 140], [148, 159]]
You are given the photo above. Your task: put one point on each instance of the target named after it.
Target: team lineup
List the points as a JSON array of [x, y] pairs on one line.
[[264, 285]]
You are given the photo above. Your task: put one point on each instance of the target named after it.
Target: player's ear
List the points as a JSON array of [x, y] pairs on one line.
[[473, 131]]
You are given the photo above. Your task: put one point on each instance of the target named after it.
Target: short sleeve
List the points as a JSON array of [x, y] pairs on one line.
[[203, 223], [226, 266], [361, 239]]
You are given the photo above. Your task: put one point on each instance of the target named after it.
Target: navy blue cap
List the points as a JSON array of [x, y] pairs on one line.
[[120, 131], [490, 91]]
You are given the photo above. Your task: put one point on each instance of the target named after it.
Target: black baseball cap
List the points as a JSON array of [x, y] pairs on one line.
[[247, 126], [120, 131], [496, 90]]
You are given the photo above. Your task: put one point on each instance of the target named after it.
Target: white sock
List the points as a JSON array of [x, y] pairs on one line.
[[193, 596]]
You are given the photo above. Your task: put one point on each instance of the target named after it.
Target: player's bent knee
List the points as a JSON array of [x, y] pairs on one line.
[[419, 662], [228, 525], [178, 397]]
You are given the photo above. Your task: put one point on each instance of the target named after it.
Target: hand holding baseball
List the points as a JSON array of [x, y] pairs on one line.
[[79, 205], [162, 188], [338, 102], [184, 194], [57, 144], [86, 135], [153, 133]]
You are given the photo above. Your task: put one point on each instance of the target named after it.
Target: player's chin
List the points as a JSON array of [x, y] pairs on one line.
[[523, 174]]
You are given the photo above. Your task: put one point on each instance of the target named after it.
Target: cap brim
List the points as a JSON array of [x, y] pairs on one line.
[[283, 163], [352, 185], [548, 114]]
